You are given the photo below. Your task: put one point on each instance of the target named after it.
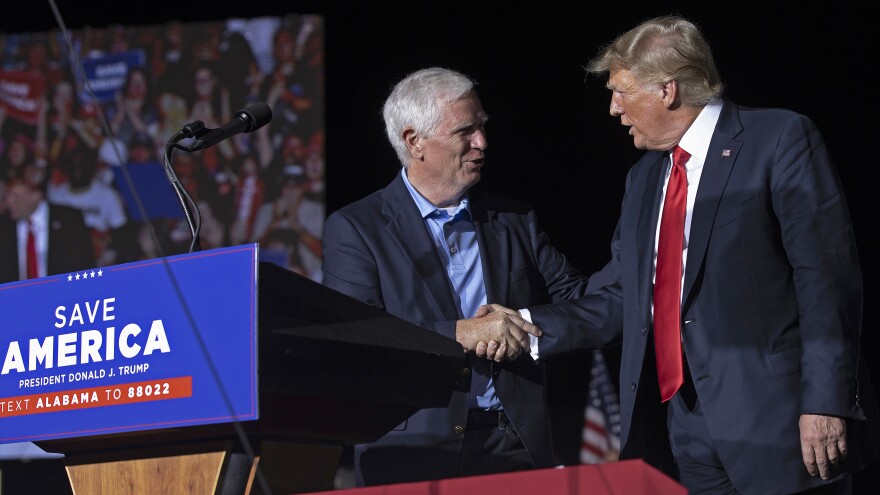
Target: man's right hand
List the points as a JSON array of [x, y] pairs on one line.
[[496, 333]]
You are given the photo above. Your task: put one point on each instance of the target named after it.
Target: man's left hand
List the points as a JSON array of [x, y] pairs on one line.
[[823, 444]]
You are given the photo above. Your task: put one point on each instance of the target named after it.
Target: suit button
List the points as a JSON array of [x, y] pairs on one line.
[[465, 371], [644, 330], [459, 429], [633, 387]]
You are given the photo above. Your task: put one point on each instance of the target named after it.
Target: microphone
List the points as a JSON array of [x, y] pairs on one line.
[[249, 119]]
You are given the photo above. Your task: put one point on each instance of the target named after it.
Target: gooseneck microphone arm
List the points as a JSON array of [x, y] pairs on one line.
[[190, 208], [249, 119]]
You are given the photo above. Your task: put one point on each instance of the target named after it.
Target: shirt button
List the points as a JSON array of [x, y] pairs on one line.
[[453, 250], [633, 387], [459, 429], [644, 330]]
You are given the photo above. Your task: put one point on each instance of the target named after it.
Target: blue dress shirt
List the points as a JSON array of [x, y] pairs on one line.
[[455, 238]]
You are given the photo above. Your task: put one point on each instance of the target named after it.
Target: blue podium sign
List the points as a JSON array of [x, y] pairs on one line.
[[154, 344]]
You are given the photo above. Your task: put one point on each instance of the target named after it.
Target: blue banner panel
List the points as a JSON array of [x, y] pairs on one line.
[[153, 189], [154, 344], [106, 73]]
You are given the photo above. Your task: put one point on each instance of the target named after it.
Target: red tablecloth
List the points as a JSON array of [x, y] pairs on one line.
[[631, 477]]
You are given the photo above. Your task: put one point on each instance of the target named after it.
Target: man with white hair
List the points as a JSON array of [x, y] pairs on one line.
[[431, 249]]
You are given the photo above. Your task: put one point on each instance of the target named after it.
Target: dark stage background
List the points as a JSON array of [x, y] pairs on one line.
[[551, 139]]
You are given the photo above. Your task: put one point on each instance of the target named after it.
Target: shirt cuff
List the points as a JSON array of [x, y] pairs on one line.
[[533, 341]]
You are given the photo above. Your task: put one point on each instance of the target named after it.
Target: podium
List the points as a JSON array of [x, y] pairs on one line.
[[332, 372]]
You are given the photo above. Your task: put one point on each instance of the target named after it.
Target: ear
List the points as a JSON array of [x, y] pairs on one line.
[[413, 142], [669, 92]]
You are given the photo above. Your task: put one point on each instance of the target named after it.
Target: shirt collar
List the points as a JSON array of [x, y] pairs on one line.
[[698, 136], [39, 217], [426, 209]]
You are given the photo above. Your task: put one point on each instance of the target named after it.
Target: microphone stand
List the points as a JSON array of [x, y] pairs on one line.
[[249, 119], [190, 208]]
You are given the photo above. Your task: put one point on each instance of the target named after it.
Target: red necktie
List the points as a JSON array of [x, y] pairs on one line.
[[31, 252], [667, 280]]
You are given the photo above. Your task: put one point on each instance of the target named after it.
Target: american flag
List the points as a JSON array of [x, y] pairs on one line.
[[600, 440]]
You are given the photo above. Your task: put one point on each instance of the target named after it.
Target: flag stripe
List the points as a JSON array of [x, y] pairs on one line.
[[600, 439]]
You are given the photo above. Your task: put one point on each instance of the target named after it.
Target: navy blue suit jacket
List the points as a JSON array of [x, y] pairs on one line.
[[70, 245], [771, 305], [379, 251]]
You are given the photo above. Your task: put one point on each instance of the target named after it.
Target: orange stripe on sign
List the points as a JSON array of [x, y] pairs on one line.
[[109, 395]]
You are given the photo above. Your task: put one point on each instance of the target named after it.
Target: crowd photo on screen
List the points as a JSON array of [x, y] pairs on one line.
[[91, 114]]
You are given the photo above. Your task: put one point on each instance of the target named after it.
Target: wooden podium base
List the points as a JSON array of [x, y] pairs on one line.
[[207, 468]]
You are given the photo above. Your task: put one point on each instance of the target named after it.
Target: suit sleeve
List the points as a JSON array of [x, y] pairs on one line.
[[351, 268], [817, 236], [561, 279], [74, 251], [592, 320], [348, 266]]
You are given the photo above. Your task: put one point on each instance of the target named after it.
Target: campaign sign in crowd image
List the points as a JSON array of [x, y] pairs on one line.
[[159, 343]]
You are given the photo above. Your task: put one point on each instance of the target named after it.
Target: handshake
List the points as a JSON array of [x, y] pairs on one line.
[[496, 333]]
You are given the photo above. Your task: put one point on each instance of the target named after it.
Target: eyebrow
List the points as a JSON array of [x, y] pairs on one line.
[[474, 123]]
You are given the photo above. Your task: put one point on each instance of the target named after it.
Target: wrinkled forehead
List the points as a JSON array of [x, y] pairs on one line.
[[627, 81], [464, 112], [620, 79]]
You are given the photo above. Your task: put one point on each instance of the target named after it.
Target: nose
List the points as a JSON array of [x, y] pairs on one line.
[[479, 140], [615, 109]]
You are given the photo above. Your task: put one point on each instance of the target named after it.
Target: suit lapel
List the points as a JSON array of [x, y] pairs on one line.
[[492, 236], [723, 150], [56, 230], [649, 215], [405, 227]]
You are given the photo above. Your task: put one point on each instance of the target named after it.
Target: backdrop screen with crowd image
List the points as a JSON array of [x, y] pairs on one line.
[[89, 113]]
